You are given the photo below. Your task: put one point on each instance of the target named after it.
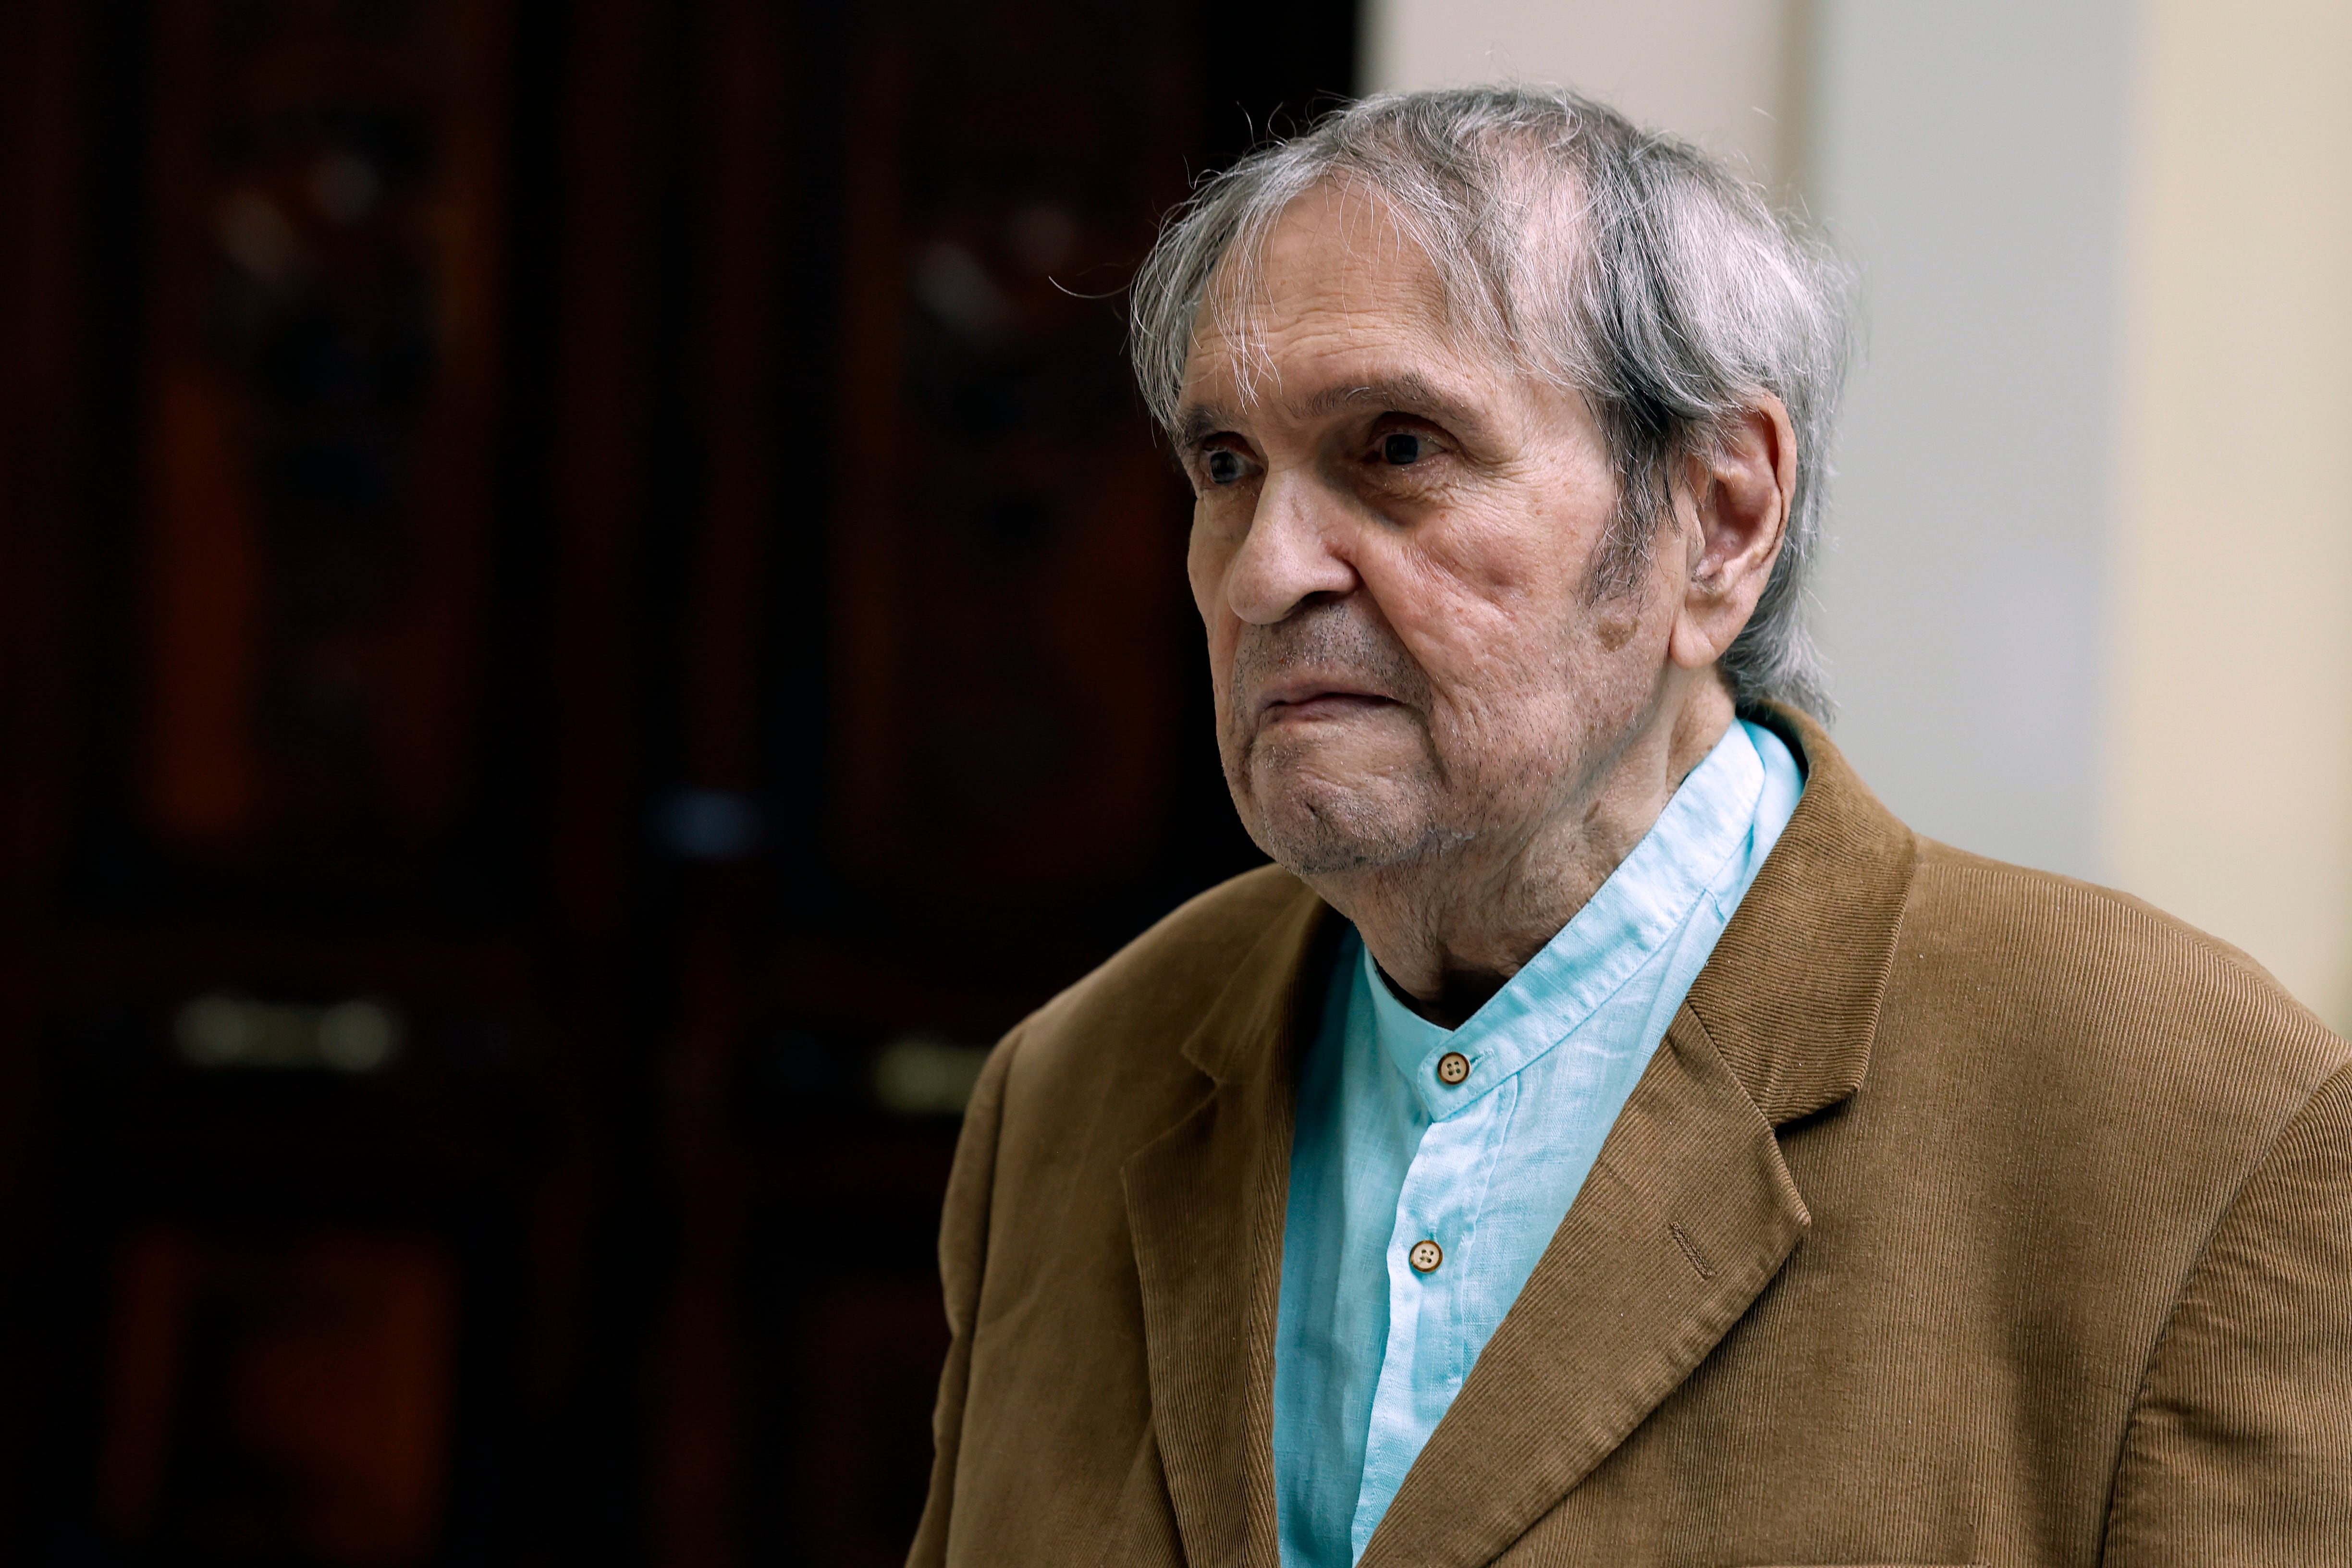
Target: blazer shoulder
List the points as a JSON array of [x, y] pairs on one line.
[[2076, 961]]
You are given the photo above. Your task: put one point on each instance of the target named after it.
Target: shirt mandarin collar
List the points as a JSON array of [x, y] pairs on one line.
[[1625, 925]]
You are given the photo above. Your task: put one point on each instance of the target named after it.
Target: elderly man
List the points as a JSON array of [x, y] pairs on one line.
[[1605, 1136]]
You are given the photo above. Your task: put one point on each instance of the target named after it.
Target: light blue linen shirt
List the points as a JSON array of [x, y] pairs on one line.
[[1368, 1351]]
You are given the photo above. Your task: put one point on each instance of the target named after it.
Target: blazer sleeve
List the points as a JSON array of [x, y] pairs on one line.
[[2240, 1446], [963, 1258]]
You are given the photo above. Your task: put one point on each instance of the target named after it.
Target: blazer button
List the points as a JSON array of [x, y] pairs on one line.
[[1426, 1255], [1453, 1068]]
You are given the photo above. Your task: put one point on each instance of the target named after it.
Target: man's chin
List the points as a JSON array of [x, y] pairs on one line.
[[1323, 833]]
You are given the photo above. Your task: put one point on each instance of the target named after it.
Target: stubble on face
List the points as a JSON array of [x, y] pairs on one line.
[[1424, 777], [1304, 790]]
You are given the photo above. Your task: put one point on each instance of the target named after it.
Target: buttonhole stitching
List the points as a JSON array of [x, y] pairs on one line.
[[1690, 1250]]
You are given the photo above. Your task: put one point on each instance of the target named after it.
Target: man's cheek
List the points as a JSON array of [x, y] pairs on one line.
[[1223, 645], [1467, 642]]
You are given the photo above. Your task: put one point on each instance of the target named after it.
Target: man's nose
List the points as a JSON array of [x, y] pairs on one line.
[[1292, 554]]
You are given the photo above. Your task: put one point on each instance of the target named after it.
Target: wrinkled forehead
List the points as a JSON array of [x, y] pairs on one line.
[[1345, 261], [1338, 260]]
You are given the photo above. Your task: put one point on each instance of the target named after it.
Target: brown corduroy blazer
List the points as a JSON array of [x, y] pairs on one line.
[[1966, 1214]]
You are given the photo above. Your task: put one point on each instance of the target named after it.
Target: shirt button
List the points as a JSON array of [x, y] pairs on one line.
[[1426, 1255], [1453, 1068]]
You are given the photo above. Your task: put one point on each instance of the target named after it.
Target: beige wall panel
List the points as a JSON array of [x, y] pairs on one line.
[[2228, 753]]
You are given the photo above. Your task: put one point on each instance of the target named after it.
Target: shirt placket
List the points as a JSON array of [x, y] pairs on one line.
[[1444, 1188]]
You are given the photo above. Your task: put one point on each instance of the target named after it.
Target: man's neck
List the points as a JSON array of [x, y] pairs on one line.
[[1449, 930]]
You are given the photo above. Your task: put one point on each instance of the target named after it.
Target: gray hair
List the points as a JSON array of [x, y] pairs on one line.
[[1598, 257]]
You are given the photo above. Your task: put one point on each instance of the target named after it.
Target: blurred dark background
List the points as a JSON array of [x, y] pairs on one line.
[[586, 613]]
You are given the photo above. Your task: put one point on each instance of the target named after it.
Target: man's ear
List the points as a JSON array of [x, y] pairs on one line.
[[1740, 491]]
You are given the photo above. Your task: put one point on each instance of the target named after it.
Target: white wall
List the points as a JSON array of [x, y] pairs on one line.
[[1969, 158], [1722, 73]]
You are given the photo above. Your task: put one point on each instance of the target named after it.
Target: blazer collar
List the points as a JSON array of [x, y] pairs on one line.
[[1790, 995], [1204, 1203], [1689, 1212], [1248, 1032]]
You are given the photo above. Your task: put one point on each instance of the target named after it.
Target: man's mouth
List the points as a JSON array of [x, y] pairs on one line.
[[1301, 703]]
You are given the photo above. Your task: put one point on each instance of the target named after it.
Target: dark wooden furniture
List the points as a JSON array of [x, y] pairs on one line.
[[576, 582]]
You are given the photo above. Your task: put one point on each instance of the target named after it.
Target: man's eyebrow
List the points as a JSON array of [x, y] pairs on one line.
[[1200, 422], [1408, 392]]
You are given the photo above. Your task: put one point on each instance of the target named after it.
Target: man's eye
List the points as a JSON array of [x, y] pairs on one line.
[[1224, 466], [1401, 447]]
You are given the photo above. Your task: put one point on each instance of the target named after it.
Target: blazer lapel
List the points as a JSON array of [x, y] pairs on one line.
[[1689, 1211], [1206, 1203], [1687, 1214]]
